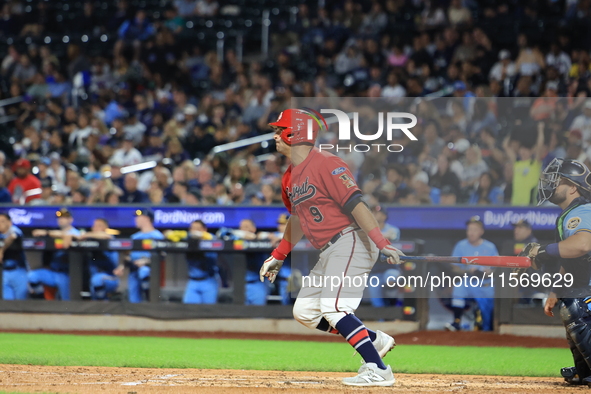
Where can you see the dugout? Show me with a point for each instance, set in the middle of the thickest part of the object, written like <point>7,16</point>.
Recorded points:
<point>425,230</point>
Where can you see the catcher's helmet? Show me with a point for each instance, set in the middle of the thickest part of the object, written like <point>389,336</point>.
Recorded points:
<point>296,123</point>
<point>573,170</point>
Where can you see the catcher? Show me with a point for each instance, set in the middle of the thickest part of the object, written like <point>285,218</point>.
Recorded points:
<point>566,184</point>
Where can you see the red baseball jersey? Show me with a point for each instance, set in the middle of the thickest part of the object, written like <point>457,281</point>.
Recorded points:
<point>18,187</point>
<point>316,190</point>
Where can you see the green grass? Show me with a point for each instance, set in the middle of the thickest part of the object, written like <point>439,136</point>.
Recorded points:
<point>63,350</point>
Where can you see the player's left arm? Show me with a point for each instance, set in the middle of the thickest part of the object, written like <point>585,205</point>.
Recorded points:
<point>577,245</point>
<point>293,234</point>
<point>577,242</point>
<point>368,223</point>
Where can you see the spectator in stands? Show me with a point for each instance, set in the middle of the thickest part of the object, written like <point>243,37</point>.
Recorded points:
<point>444,175</point>
<point>334,51</point>
<point>56,278</point>
<point>131,194</point>
<point>155,150</point>
<point>127,155</point>
<point>24,187</point>
<point>134,32</point>
<point>175,151</point>
<point>530,60</point>
<point>138,262</point>
<point>103,263</point>
<point>5,196</point>
<point>254,186</point>
<point>14,261</point>
<point>186,8</point>
<point>474,167</point>
<point>206,8</point>
<point>203,284</point>
<point>486,192</point>
<point>583,123</point>
<point>504,68</point>
<point>458,14</point>
<point>24,72</point>
<point>448,196</point>
<point>526,169</point>
<point>558,59</point>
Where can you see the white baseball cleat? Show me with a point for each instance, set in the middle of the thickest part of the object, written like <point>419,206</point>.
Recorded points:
<point>370,375</point>
<point>383,343</point>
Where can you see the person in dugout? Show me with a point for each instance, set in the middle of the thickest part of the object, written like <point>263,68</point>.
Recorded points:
<point>13,260</point>
<point>473,245</point>
<point>203,284</point>
<point>523,235</point>
<point>383,295</point>
<point>283,277</point>
<point>102,263</point>
<point>46,282</point>
<point>256,292</point>
<point>138,262</point>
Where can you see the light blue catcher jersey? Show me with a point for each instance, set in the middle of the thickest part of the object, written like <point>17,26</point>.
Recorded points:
<point>136,255</point>
<point>579,219</point>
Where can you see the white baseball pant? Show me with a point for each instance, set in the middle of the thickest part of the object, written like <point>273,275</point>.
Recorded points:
<point>350,260</point>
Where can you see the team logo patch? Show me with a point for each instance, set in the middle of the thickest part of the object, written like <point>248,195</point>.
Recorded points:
<point>338,171</point>
<point>347,181</point>
<point>573,223</point>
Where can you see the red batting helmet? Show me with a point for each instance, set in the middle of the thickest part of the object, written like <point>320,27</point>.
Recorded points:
<point>296,122</point>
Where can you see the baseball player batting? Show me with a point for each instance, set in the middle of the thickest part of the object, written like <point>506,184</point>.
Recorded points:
<point>326,206</point>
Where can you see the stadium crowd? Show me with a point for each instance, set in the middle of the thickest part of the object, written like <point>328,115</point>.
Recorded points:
<point>87,117</point>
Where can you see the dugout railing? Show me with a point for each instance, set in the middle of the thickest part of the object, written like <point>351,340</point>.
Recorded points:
<point>413,309</point>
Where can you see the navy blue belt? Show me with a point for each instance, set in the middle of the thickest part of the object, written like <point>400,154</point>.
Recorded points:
<point>9,268</point>
<point>336,237</point>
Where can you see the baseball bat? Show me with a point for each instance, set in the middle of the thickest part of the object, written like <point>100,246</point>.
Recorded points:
<point>487,261</point>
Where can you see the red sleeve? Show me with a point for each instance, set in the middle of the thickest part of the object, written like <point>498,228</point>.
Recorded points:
<point>285,181</point>
<point>12,185</point>
<point>338,179</point>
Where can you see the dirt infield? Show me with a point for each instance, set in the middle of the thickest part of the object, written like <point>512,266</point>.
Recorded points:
<point>91,380</point>
<point>442,338</point>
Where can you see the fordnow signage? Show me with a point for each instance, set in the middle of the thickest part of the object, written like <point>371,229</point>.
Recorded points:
<point>177,217</point>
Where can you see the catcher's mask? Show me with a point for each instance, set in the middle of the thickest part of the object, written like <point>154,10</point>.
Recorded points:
<point>573,170</point>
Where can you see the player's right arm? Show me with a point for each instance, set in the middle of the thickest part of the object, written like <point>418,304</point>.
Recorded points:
<point>293,234</point>
<point>368,223</point>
